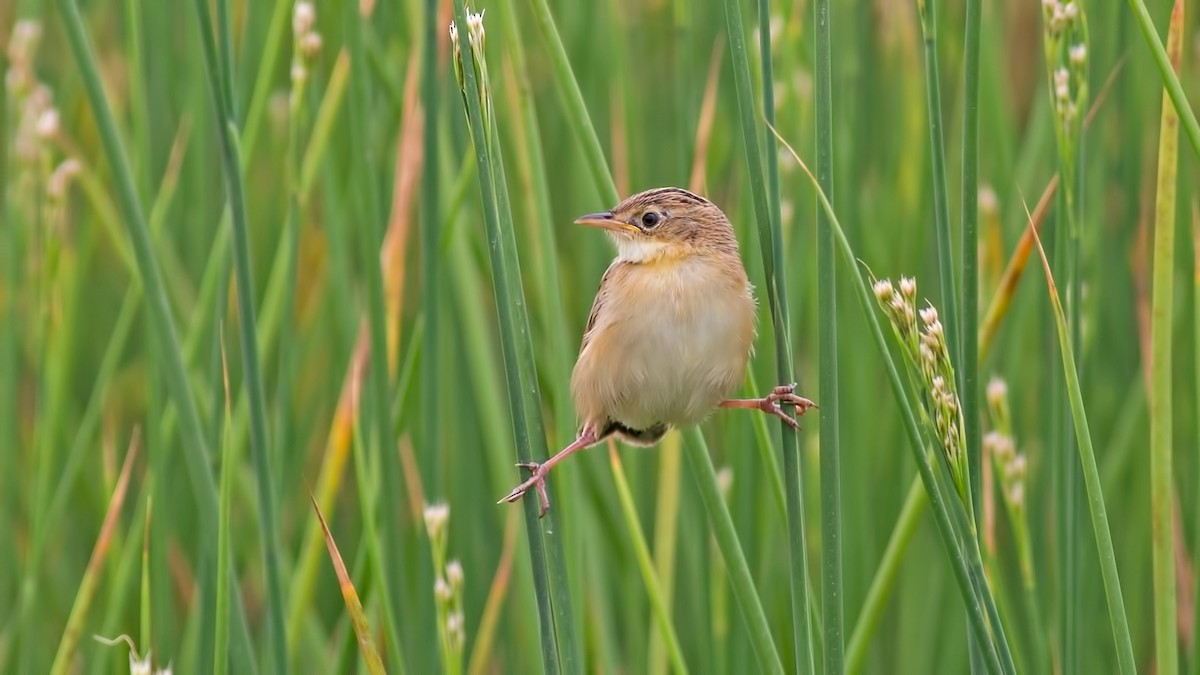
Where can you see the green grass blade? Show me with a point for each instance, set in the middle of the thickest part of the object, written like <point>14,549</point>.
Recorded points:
<point>224,542</point>
<point>948,517</point>
<point>885,577</point>
<point>827,346</point>
<point>576,110</point>
<point>658,603</point>
<point>1091,476</point>
<point>362,627</point>
<point>431,285</point>
<point>1170,79</point>
<point>1196,383</point>
<point>91,577</point>
<point>969,354</point>
<point>770,242</point>
<point>196,451</point>
<point>220,75</point>
<point>937,158</point>
<point>365,190</point>
<point>1161,371</point>
<point>517,353</point>
<point>696,452</point>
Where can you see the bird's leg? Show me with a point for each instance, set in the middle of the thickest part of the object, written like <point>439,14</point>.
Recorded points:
<point>587,438</point>
<point>770,403</point>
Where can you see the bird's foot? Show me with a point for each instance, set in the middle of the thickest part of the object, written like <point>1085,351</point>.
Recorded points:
<point>786,394</point>
<point>773,403</point>
<point>537,481</point>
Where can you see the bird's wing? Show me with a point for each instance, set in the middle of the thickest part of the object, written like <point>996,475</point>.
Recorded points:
<point>597,304</point>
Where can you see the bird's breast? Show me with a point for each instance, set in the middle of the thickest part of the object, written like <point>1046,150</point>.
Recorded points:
<point>669,342</point>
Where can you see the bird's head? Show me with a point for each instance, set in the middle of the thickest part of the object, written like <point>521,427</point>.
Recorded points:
<point>665,223</point>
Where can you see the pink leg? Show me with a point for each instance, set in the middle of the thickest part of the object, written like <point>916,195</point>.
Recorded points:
<point>770,403</point>
<point>537,481</point>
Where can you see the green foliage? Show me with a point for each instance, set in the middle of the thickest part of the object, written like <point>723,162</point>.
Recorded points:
<point>174,160</point>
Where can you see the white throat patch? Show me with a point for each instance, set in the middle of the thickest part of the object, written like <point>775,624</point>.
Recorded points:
<point>637,249</point>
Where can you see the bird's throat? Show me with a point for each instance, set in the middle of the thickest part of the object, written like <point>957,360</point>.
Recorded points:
<point>642,249</point>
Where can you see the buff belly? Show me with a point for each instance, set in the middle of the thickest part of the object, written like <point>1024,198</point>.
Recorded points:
<point>673,348</point>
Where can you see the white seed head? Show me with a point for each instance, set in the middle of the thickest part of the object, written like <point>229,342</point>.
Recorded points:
<point>25,35</point>
<point>310,44</point>
<point>454,35</point>
<point>139,666</point>
<point>997,391</point>
<point>939,385</point>
<point>60,178</point>
<point>988,202</point>
<point>1016,495</point>
<point>1062,77</point>
<point>299,73</point>
<point>1058,19</point>
<point>883,289</point>
<point>1049,5</point>
<point>934,329</point>
<point>47,123</point>
<point>442,591</point>
<point>927,356</point>
<point>908,287</point>
<point>1078,54</point>
<point>929,315</point>
<point>456,629</point>
<point>475,33</point>
<point>436,517</point>
<point>992,440</point>
<point>454,574</point>
<point>1071,11</point>
<point>1019,465</point>
<point>1004,450</point>
<point>304,16</point>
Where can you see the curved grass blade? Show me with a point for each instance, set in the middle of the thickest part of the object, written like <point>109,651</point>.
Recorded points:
<point>362,627</point>
<point>87,587</point>
<point>1091,476</point>
<point>1170,80</point>
<point>967,572</point>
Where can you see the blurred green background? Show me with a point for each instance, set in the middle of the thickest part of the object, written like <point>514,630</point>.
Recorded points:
<point>334,153</point>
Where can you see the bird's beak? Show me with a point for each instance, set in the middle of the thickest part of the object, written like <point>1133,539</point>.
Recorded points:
<point>605,221</point>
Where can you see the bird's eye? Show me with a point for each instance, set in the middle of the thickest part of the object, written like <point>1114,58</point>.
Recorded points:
<point>650,219</point>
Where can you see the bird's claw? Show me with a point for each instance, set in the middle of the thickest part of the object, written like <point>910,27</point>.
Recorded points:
<point>785,393</point>
<point>537,481</point>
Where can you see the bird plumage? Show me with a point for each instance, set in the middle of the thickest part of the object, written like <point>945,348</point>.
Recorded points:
<point>670,331</point>
<point>672,325</point>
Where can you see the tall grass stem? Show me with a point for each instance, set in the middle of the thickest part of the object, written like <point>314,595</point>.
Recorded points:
<point>827,347</point>
<point>1162,310</point>
<point>765,191</point>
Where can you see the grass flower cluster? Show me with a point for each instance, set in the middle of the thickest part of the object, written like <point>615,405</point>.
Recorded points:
<point>447,590</point>
<point>925,352</point>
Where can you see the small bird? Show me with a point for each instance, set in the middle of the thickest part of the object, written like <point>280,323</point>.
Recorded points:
<point>671,329</point>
